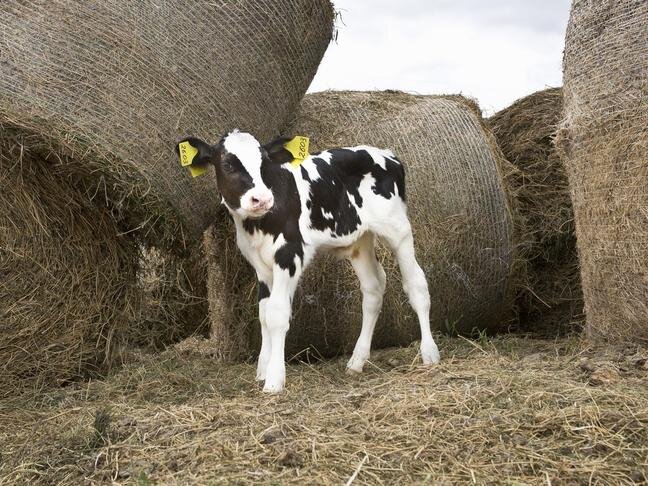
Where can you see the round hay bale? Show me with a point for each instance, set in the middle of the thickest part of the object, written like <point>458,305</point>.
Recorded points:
<point>124,80</point>
<point>604,140</point>
<point>97,93</point>
<point>549,298</point>
<point>65,275</point>
<point>459,212</point>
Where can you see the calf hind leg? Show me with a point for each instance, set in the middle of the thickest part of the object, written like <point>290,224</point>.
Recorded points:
<point>416,288</point>
<point>372,284</point>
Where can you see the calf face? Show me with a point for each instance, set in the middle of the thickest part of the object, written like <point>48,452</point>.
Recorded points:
<point>237,159</point>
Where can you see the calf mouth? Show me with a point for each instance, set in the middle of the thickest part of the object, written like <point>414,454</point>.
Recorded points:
<point>258,214</point>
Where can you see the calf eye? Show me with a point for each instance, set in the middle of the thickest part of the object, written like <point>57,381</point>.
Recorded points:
<point>227,167</point>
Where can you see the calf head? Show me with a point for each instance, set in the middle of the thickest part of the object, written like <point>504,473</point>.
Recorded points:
<point>238,159</point>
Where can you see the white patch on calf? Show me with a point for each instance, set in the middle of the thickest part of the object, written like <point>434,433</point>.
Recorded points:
<point>258,248</point>
<point>248,151</point>
<point>325,156</point>
<point>258,199</point>
<point>310,168</point>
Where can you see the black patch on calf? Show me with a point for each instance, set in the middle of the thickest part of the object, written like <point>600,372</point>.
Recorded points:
<point>264,291</point>
<point>232,180</point>
<point>328,194</point>
<point>285,256</point>
<point>353,165</point>
<point>392,174</point>
<point>304,174</point>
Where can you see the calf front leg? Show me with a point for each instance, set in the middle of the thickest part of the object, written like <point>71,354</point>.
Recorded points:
<point>264,355</point>
<point>277,316</point>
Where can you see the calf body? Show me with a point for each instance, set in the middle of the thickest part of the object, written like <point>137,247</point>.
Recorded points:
<point>336,201</point>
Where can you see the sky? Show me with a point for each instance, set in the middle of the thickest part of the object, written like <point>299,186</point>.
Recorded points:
<point>496,51</point>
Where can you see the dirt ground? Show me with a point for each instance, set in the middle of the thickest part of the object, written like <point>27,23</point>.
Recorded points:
<point>508,410</point>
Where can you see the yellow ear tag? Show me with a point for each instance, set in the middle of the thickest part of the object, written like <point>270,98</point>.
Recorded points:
<point>298,147</point>
<point>197,171</point>
<point>187,154</point>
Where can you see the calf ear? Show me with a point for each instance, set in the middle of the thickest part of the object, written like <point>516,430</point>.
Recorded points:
<point>277,152</point>
<point>207,154</point>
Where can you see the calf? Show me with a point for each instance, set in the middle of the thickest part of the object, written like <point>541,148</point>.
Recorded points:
<point>338,200</point>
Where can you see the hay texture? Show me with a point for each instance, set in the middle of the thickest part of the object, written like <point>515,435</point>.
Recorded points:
<point>549,297</point>
<point>172,301</point>
<point>459,212</point>
<point>64,275</point>
<point>503,411</point>
<point>125,80</point>
<point>96,94</point>
<point>604,137</point>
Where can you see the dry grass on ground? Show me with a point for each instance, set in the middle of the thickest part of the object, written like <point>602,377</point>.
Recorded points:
<point>506,410</point>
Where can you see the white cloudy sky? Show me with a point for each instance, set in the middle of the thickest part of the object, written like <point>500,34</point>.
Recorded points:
<point>494,50</point>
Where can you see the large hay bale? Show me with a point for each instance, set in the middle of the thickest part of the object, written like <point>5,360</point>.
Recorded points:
<point>123,80</point>
<point>97,92</point>
<point>65,275</point>
<point>459,212</point>
<point>549,297</point>
<point>604,137</point>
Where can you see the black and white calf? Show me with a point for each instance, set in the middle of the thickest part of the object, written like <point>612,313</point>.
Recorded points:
<point>338,200</point>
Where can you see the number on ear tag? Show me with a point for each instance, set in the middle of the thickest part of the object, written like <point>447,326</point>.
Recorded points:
<point>298,147</point>
<point>187,154</point>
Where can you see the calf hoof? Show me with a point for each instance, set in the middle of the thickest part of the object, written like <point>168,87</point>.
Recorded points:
<point>260,375</point>
<point>274,381</point>
<point>430,355</point>
<point>355,366</point>
<point>273,388</point>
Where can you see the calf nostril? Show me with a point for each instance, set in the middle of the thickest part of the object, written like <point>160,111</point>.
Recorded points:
<point>255,201</point>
